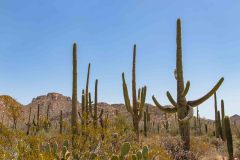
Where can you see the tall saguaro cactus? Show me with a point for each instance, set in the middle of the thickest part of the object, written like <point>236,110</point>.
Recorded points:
<point>61,122</point>
<point>136,110</point>
<point>74,92</point>
<point>183,107</point>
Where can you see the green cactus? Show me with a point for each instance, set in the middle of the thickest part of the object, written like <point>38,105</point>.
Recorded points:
<point>206,128</point>
<point>46,122</point>
<point>61,122</point>
<point>223,115</point>
<point>166,124</point>
<point>199,126</point>
<point>217,133</point>
<point>38,118</point>
<point>145,124</point>
<point>86,101</point>
<point>136,110</point>
<point>228,134</point>
<point>145,153</point>
<point>125,149</point>
<point>94,114</point>
<point>125,153</point>
<point>74,92</point>
<point>64,154</point>
<point>183,107</point>
<point>28,124</point>
<point>219,125</point>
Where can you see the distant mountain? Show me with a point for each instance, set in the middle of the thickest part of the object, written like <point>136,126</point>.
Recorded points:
<point>235,118</point>
<point>57,102</point>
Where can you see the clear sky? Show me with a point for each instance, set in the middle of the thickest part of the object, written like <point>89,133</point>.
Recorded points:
<point>36,40</point>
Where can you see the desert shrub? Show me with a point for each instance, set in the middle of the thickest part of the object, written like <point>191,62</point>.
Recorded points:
<point>174,147</point>
<point>200,146</point>
<point>217,143</point>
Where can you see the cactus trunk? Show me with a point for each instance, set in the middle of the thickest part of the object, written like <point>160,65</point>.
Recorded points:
<point>228,134</point>
<point>61,123</point>
<point>74,92</point>
<point>223,115</point>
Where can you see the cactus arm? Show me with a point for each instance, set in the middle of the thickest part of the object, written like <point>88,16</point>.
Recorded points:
<point>173,102</point>
<point>83,101</point>
<point>139,93</point>
<point>142,102</point>
<point>185,91</point>
<point>167,108</point>
<point>126,96</point>
<point>90,105</point>
<point>188,116</point>
<point>208,95</point>
<point>87,84</point>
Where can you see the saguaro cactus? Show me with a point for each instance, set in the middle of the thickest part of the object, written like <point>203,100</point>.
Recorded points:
<point>136,110</point>
<point>61,122</point>
<point>216,116</point>
<point>29,119</point>
<point>219,125</point>
<point>94,114</point>
<point>38,118</point>
<point>206,128</point>
<point>74,92</point>
<point>223,115</point>
<point>183,107</point>
<point>86,103</point>
<point>228,134</point>
<point>166,125</point>
<point>145,124</point>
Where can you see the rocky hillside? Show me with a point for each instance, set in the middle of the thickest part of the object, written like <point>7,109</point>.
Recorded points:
<point>57,102</point>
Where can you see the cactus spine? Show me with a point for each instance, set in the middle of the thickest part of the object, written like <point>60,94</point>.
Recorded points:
<point>74,92</point>
<point>223,115</point>
<point>228,134</point>
<point>136,110</point>
<point>183,107</point>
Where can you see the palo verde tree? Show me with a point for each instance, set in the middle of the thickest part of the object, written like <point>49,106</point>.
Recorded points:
<point>183,107</point>
<point>138,101</point>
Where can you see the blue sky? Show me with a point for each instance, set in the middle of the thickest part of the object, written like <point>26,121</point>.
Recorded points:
<point>36,40</point>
